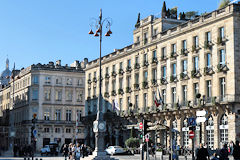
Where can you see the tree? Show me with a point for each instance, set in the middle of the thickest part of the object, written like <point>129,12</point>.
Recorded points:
<point>223,3</point>
<point>191,14</point>
<point>132,143</point>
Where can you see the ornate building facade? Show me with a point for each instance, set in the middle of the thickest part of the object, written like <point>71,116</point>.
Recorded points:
<point>52,91</point>
<point>178,59</point>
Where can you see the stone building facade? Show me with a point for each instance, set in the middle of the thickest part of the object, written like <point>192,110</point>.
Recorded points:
<point>52,91</point>
<point>176,59</point>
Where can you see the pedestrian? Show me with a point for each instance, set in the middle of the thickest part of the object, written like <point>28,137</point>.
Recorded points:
<point>65,151</point>
<point>236,151</point>
<point>214,156</point>
<point>202,153</point>
<point>224,153</point>
<point>70,151</point>
<point>77,152</point>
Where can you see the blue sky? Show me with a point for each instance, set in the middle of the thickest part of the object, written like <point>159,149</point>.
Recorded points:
<point>33,31</point>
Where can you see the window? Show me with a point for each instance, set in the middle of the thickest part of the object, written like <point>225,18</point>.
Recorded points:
<point>120,66</point>
<point>68,130</point>
<point>224,129</point>
<point>129,101</point>
<point>145,58</point>
<point>222,57</point>
<point>154,54</point>
<point>164,72</point>
<point>208,37</point>
<point>196,91</point>
<point>222,88</point>
<point>120,103</point>
<point>89,76</point>
<point>58,114</point>
<point>195,59</point>
<point>89,92</point>
<point>79,96</point>
<point>145,38</point>
<point>120,83</point>
<point>58,80</point>
<point>46,115</point>
<point>209,90</point>
<point>221,32</point>
<point>46,130</point>
<point>94,91</point>
<point>184,66</point>
<point>80,82</point>
<point>34,94</point>
<point>138,39</point>
<point>155,32</point>
<point>114,68</point>
<point>174,48</point>
<point>79,115</point>
<point>129,63</point>
<point>94,74</point>
<point>145,76</point>
<point>47,80</point>
<point>57,130</point>
<point>208,60</point>
<point>145,100</point>
<point>174,95</point>
<point>107,86</point>
<point>184,91</point>
<point>114,85</point>
<point>195,41</point>
<point>164,95</point>
<point>68,115</point>
<point>69,95</point>
<point>107,70</point>
<point>128,81</point>
<point>174,70</point>
<point>35,79</point>
<point>154,74</point>
<point>184,45</point>
<point>47,94</point>
<point>136,101</point>
<point>136,60</point>
<point>136,78</point>
<point>210,132</point>
<point>164,52</point>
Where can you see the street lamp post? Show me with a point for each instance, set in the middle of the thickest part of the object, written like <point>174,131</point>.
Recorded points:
<point>99,125</point>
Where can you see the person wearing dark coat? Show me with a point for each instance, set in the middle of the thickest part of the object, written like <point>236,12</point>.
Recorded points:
<point>224,153</point>
<point>65,151</point>
<point>202,153</point>
<point>236,151</point>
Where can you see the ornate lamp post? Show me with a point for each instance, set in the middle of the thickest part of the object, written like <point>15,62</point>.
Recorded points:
<point>99,125</point>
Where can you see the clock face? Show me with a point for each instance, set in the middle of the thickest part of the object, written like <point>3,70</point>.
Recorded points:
<point>101,126</point>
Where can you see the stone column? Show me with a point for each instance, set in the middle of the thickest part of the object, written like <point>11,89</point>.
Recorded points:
<point>216,131</point>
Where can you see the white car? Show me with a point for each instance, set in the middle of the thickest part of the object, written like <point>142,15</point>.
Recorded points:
<point>45,150</point>
<point>114,150</point>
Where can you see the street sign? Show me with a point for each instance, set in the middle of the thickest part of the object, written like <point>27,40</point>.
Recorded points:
<point>34,132</point>
<point>201,119</point>
<point>191,134</point>
<point>191,121</point>
<point>140,125</point>
<point>201,113</point>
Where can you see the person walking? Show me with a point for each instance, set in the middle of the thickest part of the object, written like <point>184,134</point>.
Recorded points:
<point>224,153</point>
<point>236,151</point>
<point>202,153</point>
<point>65,151</point>
<point>77,152</point>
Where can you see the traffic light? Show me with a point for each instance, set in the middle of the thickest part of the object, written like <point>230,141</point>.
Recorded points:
<point>140,136</point>
<point>146,127</point>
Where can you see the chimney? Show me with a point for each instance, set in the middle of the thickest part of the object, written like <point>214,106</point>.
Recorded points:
<point>58,63</point>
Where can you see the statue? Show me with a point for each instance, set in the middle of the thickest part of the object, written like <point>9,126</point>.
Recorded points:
<point>138,21</point>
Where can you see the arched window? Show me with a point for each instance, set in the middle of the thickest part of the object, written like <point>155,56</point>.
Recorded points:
<point>223,129</point>
<point>185,133</point>
<point>210,132</point>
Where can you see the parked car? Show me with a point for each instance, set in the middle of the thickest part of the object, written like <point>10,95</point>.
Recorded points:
<point>45,150</point>
<point>115,150</point>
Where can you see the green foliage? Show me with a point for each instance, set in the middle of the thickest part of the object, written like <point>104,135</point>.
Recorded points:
<point>132,142</point>
<point>132,133</point>
<point>191,14</point>
<point>223,3</point>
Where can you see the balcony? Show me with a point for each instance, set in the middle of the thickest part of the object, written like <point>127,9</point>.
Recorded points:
<point>114,74</point>
<point>95,80</point>
<point>154,82</point>
<point>128,69</point>
<point>163,58</point>
<point>121,71</point>
<point>173,54</point>
<point>163,80</point>
<point>137,43</point>
<point>145,41</point>
<point>208,70</point>
<point>195,49</point>
<point>154,37</point>
<point>154,60</point>
<point>136,86</point>
<point>184,75</point>
<point>120,91</point>
<point>221,40</point>
<point>173,78</point>
<point>145,63</point>
<point>136,66</point>
<point>128,90</point>
<point>106,95</point>
<point>184,52</point>
<point>145,85</point>
<point>89,81</point>
<point>107,76</point>
<point>114,93</point>
<point>222,68</point>
<point>208,45</point>
<point>195,73</point>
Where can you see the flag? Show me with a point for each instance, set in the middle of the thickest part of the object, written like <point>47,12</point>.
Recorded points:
<point>115,106</point>
<point>156,101</point>
<point>160,98</point>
